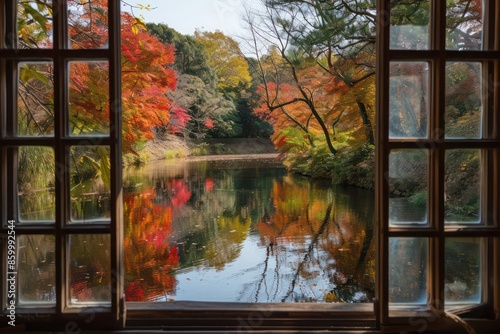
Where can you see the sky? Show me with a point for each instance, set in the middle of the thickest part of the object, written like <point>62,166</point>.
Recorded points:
<point>186,16</point>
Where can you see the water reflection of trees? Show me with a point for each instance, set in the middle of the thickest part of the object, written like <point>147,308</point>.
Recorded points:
<point>317,246</point>
<point>337,248</point>
<point>202,213</point>
<point>149,258</point>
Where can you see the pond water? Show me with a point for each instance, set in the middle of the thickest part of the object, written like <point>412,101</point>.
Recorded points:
<point>245,231</point>
<point>237,231</point>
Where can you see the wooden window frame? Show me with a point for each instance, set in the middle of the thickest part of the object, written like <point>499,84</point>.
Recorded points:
<point>434,316</point>
<point>246,317</point>
<point>62,315</point>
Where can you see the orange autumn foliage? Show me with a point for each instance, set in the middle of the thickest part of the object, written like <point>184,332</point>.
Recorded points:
<point>146,75</point>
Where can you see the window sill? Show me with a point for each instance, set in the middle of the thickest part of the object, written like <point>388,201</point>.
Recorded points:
<point>250,316</point>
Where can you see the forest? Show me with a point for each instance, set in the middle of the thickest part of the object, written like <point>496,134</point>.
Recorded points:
<point>305,78</point>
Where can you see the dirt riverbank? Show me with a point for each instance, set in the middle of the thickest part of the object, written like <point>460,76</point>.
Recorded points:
<point>214,149</point>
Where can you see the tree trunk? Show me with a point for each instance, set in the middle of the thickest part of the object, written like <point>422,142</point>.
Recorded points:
<point>366,123</point>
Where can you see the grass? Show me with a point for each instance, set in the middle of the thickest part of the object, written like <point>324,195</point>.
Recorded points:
<point>174,154</point>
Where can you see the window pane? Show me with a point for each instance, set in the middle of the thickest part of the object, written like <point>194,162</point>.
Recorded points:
<point>89,184</point>
<point>463,100</point>
<point>408,187</point>
<point>462,186</point>
<point>35,99</point>
<point>464,24</point>
<point>35,183</point>
<point>463,270</point>
<point>36,269</point>
<point>408,105</point>
<point>89,268</point>
<point>407,272</point>
<point>34,24</point>
<point>410,25</point>
<point>88,24</point>
<point>88,98</point>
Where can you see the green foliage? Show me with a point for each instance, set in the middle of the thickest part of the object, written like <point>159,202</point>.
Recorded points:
<point>174,154</point>
<point>202,62</point>
<point>226,125</point>
<point>226,59</point>
<point>190,55</point>
<point>34,21</point>
<point>200,150</point>
<point>219,148</point>
<point>35,167</point>
<point>410,13</point>
<point>140,160</point>
<point>355,167</point>
<point>251,125</point>
<point>104,166</point>
<point>317,162</point>
<point>202,102</point>
<point>139,145</point>
<point>419,199</point>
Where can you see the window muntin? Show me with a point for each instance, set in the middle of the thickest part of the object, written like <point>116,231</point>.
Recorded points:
<point>462,156</point>
<point>37,152</point>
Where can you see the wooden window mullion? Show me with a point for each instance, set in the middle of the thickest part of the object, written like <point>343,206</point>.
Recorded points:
<point>59,154</point>
<point>437,161</point>
<point>382,162</point>
<point>117,253</point>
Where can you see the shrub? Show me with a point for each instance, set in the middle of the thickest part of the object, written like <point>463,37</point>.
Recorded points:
<point>173,154</point>
<point>199,150</point>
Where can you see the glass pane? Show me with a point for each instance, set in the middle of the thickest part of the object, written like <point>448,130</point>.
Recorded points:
<point>35,183</point>
<point>463,100</point>
<point>408,187</point>
<point>35,99</point>
<point>410,25</point>
<point>34,24</point>
<point>408,105</point>
<point>463,270</point>
<point>464,24</point>
<point>89,184</point>
<point>89,268</point>
<point>462,186</point>
<point>88,24</point>
<point>88,98</point>
<point>407,272</point>
<point>36,269</point>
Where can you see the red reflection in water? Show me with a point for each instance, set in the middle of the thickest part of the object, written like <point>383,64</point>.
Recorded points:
<point>149,259</point>
<point>209,184</point>
<point>180,192</point>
